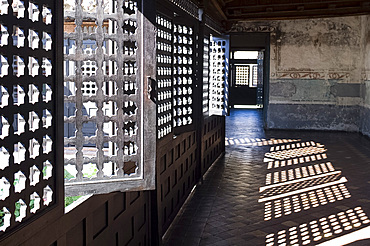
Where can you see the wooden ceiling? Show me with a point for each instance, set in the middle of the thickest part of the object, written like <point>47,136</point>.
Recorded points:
<point>236,10</point>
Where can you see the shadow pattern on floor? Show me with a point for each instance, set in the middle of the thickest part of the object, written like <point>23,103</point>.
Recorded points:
<point>278,188</point>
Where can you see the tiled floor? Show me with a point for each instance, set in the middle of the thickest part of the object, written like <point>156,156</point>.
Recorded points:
<point>279,188</point>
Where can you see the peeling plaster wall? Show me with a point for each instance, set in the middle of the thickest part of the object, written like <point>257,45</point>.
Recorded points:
<point>365,116</point>
<point>316,72</point>
<point>315,79</point>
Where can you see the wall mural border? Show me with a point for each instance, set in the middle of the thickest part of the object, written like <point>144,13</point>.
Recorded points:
<point>276,71</point>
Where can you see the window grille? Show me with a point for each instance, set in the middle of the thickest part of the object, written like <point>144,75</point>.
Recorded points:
<point>28,117</point>
<point>242,75</point>
<point>206,52</point>
<point>175,72</point>
<point>183,75</point>
<point>164,76</point>
<point>104,97</point>
<point>219,69</point>
<point>260,78</point>
<point>254,76</point>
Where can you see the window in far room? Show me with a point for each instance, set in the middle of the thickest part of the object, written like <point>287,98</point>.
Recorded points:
<point>245,68</point>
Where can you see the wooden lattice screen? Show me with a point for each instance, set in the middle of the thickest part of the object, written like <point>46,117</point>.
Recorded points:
<point>183,72</point>
<point>176,44</point>
<point>105,94</point>
<point>29,124</point>
<point>219,81</point>
<point>164,76</point>
<point>206,73</point>
<point>242,75</point>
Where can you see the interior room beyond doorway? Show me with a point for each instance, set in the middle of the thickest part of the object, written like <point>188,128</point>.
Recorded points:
<point>246,89</point>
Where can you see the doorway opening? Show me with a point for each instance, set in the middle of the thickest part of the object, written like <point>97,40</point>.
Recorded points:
<point>249,73</point>
<point>246,80</point>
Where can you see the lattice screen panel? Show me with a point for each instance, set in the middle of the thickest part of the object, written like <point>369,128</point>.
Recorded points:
<point>183,75</point>
<point>205,74</point>
<point>27,110</point>
<point>260,78</point>
<point>164,76</point>
<point>219,69</point>
<point>103,95</point>
<point>254,76</point>
<point>242,75</point>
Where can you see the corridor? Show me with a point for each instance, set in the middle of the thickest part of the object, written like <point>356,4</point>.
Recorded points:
<point>279,188</point>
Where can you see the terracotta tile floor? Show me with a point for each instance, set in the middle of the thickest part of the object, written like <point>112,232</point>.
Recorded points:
<point>279,188</point>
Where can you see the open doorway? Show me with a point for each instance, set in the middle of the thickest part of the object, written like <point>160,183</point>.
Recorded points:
<point>246,81</point>
<point>249,73</point>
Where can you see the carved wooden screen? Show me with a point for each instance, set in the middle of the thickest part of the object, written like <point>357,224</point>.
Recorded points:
<point>29,124</point>
<point>105,98</point>
<point>164,76</point>
<point>206,52</point>
<point>211,29</point>
<point>219,69</point>
<point>254,76</point>
<point>242,75</point>
<point>259,83</point>
<point>176,31</point>
<point>183,75</point>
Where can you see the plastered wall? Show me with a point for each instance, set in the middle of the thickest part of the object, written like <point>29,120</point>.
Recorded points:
<point>317,77</point>
<point>365,116</point>
<point>315,80</point>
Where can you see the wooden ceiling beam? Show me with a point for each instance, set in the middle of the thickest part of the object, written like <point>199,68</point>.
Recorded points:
<point>222,2</point>
<point>217,5</point>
